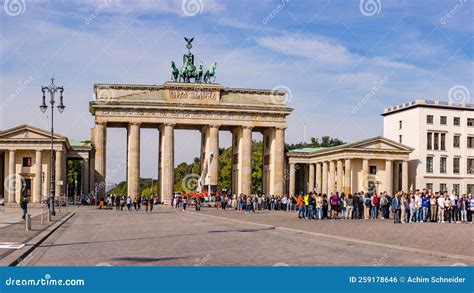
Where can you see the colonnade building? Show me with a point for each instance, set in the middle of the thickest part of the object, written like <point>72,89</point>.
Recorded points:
<point>373,165</point>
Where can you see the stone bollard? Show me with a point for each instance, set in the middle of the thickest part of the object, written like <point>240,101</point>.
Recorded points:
<point>27,222</point>
<point>49,216</point>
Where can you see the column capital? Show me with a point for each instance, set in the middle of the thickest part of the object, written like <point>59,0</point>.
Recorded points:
<point>214,125</point>
<point>247,127</point>
<point>135,123</point>
<point>169,124</point>
<point>97,123</point>
<point>280,128</point>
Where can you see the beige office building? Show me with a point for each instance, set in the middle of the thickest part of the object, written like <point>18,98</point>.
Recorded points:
<point>442,135</point>
<point>25,153</point>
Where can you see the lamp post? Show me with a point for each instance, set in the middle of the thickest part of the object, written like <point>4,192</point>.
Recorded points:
<point>52,89</point>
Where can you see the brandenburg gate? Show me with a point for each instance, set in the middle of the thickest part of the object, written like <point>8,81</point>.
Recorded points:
<point>204,106</point>
<point>208,108</point>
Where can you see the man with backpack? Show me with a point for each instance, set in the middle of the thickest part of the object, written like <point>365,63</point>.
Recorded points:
<point>366,206</point>
<point>396,206</point>
<point>374,202</point>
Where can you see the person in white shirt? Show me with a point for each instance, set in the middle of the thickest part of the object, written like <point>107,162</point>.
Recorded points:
<point>440,201</point>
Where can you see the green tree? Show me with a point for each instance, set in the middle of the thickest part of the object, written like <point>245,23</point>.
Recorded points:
<point>74,171</point>
<point>324,142</point>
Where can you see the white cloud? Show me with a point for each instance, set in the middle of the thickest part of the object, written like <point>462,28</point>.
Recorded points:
<point>325,53</point>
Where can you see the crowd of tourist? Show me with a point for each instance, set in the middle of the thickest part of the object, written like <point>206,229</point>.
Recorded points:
<point>413,207</point>
<point>130,203</point>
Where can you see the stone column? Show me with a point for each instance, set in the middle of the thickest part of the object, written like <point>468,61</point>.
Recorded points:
<point>347,176</point>
<point>133,160</point>
<point>292,186</point>
<point>166,164</point>
<point>37,180</point>
<point>100,143</point>
<point>332,175</point>
<point>318,178</point>
<point>58,172</point>
<point>405,176</point>
<point>91,175</point>
<point>311,178</point>
<point>11,188</point>
<point>245,161</point>
<point>365,175</point>
<point>214,148</point>
<point>388,177</point>
<point>325,178</point>
<point>340,177</point>
<point>279,167</point>
<point>85,176</point>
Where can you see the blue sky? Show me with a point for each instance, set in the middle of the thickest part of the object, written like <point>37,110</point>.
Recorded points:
<point>342,61</point>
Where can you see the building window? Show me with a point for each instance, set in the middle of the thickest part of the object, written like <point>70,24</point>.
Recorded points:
<point>442,187</point>
<point>456,141</point>
<point>456,188</point>
<point>436,141</point>
<point>470,142</point>
<point>443,142</point>
<point>26,161</point>
<point>443,120</point>
<point>429,140</point>
<point>400,139</point>
<point>429,164</point>
<point>470,188</point>
<point>442,165</point>
<point>470,121</point>
<point>470,166</point>
<point>373,170</point>
<point>429,186</point>
<point>400,124</point>
<point>456,162</point>
<point>429,119</point>
<point>457,121</point>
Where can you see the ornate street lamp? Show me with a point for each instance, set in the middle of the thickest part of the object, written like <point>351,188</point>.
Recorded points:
<point>52,89</point>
